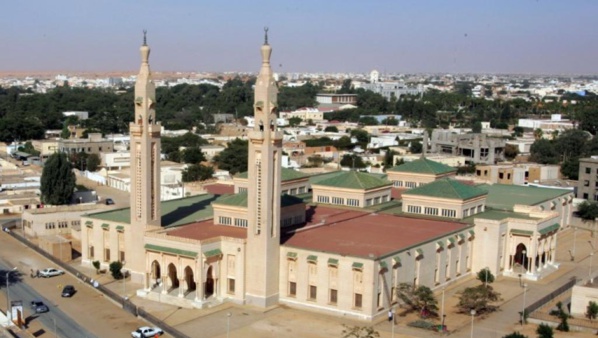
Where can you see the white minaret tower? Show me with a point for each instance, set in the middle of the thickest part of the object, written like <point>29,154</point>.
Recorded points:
<point>145,163</point>
<point>264,167</point>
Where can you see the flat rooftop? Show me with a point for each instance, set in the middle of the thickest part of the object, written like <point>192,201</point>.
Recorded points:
<point>174,212</point>
<point>506,196</point>
<point>206,230</point>
<point>360,234</point>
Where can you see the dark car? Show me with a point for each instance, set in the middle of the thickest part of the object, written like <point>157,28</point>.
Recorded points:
<point>109,201</point>
<point>68,291</point>
<point>38,306</point>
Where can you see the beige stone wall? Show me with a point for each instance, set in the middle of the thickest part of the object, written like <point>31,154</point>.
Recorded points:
<point>350,197</point>
<point>52,221</point>
<point>424,204</point>
<point>413,180</point>
<point>580,299</point>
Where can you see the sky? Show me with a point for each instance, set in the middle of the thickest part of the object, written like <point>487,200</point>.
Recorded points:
<point>392,36</point>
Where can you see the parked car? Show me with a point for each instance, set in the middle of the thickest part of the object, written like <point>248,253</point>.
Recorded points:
<point>68,291</point>
<point>50,272</point>
<point>147,332</point>
<point>38,306</point>
<point>109,201</point>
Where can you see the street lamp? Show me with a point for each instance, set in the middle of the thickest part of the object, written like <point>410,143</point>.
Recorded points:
<point>228,315</point>
<point>574,240</point>
<point>472,312</point>
<point>442,315</point>
<point>8,312</point>
<point>591,259</point>
<point>524,260</point>
<point>523,308</point>
<point>392,323</point>
<point>124,273</point>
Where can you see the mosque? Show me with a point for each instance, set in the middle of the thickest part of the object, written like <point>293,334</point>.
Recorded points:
<point>337,244</point>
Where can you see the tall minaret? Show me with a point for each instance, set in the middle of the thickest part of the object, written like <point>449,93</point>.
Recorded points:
<point>264,167</point>
<point>145,159</point>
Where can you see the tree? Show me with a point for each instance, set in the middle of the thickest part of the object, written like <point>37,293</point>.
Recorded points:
<point>416,147</point>
<point>352,161</point>
<point>93,162</point>
<point>359,332</point>
<point>197,172</point>
<point>544,152</point>
<point>511,151</point>
<point>544,331</point>
<point>193,155</point>
<point>518,131</point>
<point>234,157</point>
<point>96,265</point>
<point>115,269</point>
<point>587,211</point>
<point>477,127</point>
<point>592,310</point>
<point>478,298</point>
<point>515,335</point>
<point>485,276</point>
<point>343,143</point>
<point>538,133</point>
<point>418,298</point>
<point>57,181</point>
<point>572,143</point>
<point>570,168</point>
<point>295,121</point>
<point>389,158</point>
<point>560,313</point>
<point>332,129</point>
<point>29,149</point>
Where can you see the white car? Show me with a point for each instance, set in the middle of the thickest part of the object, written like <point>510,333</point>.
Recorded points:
<point>147,332</point>
<point>50,272</point>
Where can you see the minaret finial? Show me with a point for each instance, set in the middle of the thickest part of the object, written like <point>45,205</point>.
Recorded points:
<point>145,37</point>
<point>266,35</point>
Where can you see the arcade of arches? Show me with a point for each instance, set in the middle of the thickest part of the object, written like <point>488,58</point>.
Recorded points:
<point>531,254</point>
<point>182,276</point>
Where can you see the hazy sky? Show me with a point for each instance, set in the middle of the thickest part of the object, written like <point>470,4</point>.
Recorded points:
<point>499,36</point>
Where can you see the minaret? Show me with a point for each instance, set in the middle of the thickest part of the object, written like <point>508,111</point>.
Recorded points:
<point>145,160</point>
<point>264,168</point>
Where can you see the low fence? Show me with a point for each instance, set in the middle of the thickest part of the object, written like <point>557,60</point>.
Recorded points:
<point>126,304</point>
<point>551,296</point>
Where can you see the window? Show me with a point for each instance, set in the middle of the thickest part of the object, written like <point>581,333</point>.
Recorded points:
<point>410,184</point>
<point>293,191</point>
<point>384,198</point>
<point>508,176</point>
<point>338,200</point>
<point>91,252</point>
<point>588,170</point>
<point>121,255</point>
<point>414,209</point>
<point>585,196</point>
<point>301,190</point>
<point>333,296</point>
<point>323,199</point>
<point>449,213</point>
<point>240,222</point>
<point>431,211</point>
<point>357,300</point>
<point>286,222</point>
<point>231,285</point>
<point>292,289</point>
<point>106,255</point>
<point>398,184</point>
<point>368,202</point>
<point>377,200</point>
<point>245,190</point>
<point>353,202</point>
<point>313,292</point>
<point>500,176</point>
<point>224,220</point>
<point>586,183</point>
<point>480,208</point>
<point>465,212</point>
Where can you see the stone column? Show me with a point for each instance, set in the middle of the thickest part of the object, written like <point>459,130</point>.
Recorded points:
<point>164,279</point>
<point>199,286</point>
<point>181,287</point>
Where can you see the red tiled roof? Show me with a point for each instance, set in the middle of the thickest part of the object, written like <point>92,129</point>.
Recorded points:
<point>358,233</point>
<point>220,189</point>
<point>206,230</point>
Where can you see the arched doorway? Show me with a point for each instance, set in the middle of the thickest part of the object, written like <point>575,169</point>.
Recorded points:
<point>521,255</point>
<point>156,273</point>
<point>189,279</point>
<point>209,283</point>
<point>172,276</point>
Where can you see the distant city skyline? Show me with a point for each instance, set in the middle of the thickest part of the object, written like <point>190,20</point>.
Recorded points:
<point>436,36</point>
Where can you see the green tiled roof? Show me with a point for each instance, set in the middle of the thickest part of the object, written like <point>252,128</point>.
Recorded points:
<point>174,212</point>
<point>423,166</point>
<point>451,240</point>
<point>357,265</point>
<point>397,259</point>
<point>383,265</point>
<point>419,252</point>
<point>522,232</point>
<point>499,215</point>
<point>462,236</point>
<point>88,223</point>
<point>549,228</point>
<point>120,228</point>
<point>212,253</point>
<point>471,232</point>
<point>285,175</point>
<point>312,258</point>
<point>354,180</point>
<point>333,261</point>
<point>240,200</point>
<point>292,254</point>
<point>447,188</point>
<point>440,244</point>
<point>170,250</point>
<point>105,226</point>
<point>505,196</point>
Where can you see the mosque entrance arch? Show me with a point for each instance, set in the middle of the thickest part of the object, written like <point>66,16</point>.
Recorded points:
<point>521,255</point>
<point>189,280</point>
<point>172,276</point>
<point>156,273</point>
<point>209,291</point>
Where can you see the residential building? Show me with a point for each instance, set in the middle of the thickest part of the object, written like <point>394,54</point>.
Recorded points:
<point>587,184</point>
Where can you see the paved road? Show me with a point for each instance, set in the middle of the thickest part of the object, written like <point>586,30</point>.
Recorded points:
<point>55,321</point>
